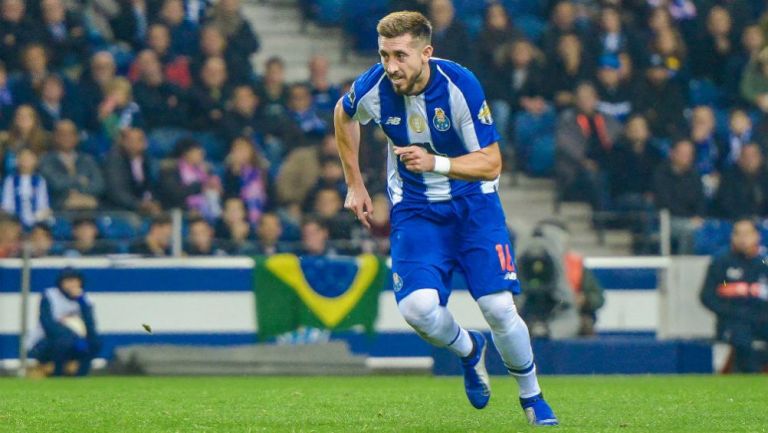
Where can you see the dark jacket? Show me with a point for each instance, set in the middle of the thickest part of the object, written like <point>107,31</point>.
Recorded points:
<point>682,194</point>
<point>162,106</point>
<point>171,192</point>
<point>72,47</point>
<point>662,106</point>
<point>741,195</point>
<point>87,178</point>
<point>126,192</point>
<point>453,44</point>
<point>630,172</point>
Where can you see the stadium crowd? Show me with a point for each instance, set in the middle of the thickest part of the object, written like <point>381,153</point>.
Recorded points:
<point>113,112</point>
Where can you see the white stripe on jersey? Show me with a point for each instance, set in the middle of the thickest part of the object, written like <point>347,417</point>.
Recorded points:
<point>394,181</point>
<point>438,186</point>
<point>371,103</point>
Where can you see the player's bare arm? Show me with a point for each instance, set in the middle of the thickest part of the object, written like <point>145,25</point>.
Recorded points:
<point>348,141</point>
<point>483,164</point>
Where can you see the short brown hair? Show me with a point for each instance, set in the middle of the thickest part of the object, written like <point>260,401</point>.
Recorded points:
<point>405,22</point>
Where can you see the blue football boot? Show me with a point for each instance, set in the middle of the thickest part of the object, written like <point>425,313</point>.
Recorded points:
<point>538,411</point>
<point>476,382</point>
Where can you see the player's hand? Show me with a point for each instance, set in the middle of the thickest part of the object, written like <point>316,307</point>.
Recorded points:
<point>359,202</point>
<point>416,159</point>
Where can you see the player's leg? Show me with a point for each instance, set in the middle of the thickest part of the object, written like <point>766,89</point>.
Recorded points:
<point>434,323</point>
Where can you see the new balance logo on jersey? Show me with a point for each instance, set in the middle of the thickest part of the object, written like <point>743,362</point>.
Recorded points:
<point>511,276</point>
<point>392,121</point>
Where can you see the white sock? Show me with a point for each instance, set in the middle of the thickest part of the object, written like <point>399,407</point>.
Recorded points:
<point>434,323</point>
<point>510,335</point>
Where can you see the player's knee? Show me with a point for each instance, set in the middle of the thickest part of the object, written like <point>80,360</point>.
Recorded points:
<point>420,308</point>
<point>499,311</point>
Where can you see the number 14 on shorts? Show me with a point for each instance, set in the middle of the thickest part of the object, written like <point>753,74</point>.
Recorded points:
<point>505,260</point>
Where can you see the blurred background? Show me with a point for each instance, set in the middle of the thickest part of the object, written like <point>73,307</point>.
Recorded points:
<point>174,161</point>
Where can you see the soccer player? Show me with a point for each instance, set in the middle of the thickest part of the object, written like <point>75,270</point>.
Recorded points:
<point>443,169</point>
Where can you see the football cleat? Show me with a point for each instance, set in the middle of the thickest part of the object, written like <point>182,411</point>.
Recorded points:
<point>538,411</point>
<point>476,382</point>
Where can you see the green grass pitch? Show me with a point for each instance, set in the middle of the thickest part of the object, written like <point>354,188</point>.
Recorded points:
<point>408,404</point>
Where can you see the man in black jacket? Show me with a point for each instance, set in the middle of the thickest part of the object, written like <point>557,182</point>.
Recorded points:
<point>130,174</point>
<point>744,189</point>
<point>736,290</point>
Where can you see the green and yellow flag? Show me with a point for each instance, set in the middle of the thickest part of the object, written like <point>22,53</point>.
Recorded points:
<point>321,292</point>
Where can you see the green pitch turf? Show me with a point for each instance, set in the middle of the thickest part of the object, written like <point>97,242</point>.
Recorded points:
<point>377,404</point>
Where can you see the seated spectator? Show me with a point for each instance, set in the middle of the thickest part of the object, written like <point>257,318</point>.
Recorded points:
<point>630,173</point>
<point>329,207</point>
<point>752,41</point>
<point>677,188</point>
<point>523,75</point>
<point>25,131</point>
<point>228,18</point>
<point>175,67</point>
<point>562,22</point>
<point>200,240</point>
<point>743,192</point>
<point>324,92</point>
<point>85,240</point>
<point>183,31</point>
<point>214,44</point>
<point>272,90</point>
<point>613,38</point>
<point>660,100</point>
<point>17,30</point>
<point>36,68</point>
<point>10,236</point>
<point>188,183</point>
<point>314,238</point>
<point>734,292</point>
<point>157,242</point>
<point>65,34</point>
<point>269,232</point>
<point>710,54</point>
<point>754,81</point>
<point>208,98</point>
<point>584,139</point>
<point>740,133</point>
<point>164,106</point>
<point>303,112</point>
<point>449,36</point>
<point>40,240</point>
<point>708,146</point>
<point>246,177</point>
<point>55,104</point>
<point>25,193</point>
<point>117,110</point>
<point>615,95</point>
<point>567,68</point>
<point>6,98</point>
<point>130,22</point>
<point>93,86</point>
<point>66,330</point>
<point>233,229</point>
<point>493,42</point>
<point>302,169</point>
<point>74,179</point>
<point>130,174</point>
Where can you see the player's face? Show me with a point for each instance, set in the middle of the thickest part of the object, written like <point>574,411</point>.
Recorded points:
<point>404,59</point>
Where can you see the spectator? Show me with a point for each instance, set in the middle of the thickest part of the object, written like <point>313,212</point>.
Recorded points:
<point>302,169</point>
<point>752,41</point>
<point>36,69</point>
<point>54,104</point>
<point>660,100</point>
<point>493,45</point>
<point>246,177</point>
<point>157,242</point>
<point>64,34</point>
<point>117,110</point>
<point>331,176</point>
<point>743,192</point>
<point>324,92</point>
<point>380,224</point>
<point>99,14</point>
<point>303,112</point>
<point>754,82</point>
<point>200,240</point>
<point>10,236</point>
<point>183,32</point>
<point>16,31</point>
<point>272,90</point>
<point>164,106</point>
<point>208,98</point>
<point>131,22</point>
<point>188,183</point>
<point>25,193</point>
<point>233,229</point>
<point>93,86</point>
<point>630,173</point>
<point>269,231</point>
<point>175,67</point>
<point>708,146</point>
<point>25,131</point>
<point>40,240</point>
<point>314,238</point>
<point>130,174</point>
<point>740,133</point>
<point>214,44</point>
<point>74,179</point>
<point>66,330</point>
<point>714,48</point>
<point>329,207</point>
<point>677,188</point>
<point>86,240</point>
<point>614,39</point>
<point>584,139</point>
<point>522,75</point>
<point>734,292</point>
<point>569,66</point>
<point>227,17</point>
<point>562,22</point>
<point>615,95</point>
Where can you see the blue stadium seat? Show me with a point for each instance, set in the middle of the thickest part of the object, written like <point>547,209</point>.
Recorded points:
<point>531,26</point>
<point>534,141</point>
<point>359,22</point>
<point>712,237</point>
<point>61,228</point>
<point>116,227</point>
<point>328,12</point>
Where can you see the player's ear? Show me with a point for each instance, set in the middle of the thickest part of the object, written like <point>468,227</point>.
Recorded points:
<point>426,52</point>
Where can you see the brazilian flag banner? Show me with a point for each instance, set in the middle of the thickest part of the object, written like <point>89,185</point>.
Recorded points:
<point>321,292</point>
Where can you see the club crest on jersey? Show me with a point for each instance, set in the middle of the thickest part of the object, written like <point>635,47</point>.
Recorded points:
<point>440,121</point>
<point>397,282</point>
<point>484,115</point>
<point>351,95</point>
<point>417,122</point>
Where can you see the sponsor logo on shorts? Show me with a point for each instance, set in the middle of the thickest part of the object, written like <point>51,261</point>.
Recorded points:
<point>511,276</point>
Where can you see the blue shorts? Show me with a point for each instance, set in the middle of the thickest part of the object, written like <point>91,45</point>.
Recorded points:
<point>429,241</point>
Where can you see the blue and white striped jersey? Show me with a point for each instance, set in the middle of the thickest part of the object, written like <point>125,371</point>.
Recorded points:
<point>450,117</point>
